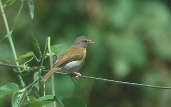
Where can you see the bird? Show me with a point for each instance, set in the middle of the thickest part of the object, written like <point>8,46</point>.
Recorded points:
<point>72,59</point>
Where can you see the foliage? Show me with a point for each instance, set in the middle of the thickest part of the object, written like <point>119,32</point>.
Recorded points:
<point>8,89</point>
<point>132,44</point>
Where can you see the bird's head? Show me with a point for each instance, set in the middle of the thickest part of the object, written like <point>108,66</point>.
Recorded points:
<point>82,41</point>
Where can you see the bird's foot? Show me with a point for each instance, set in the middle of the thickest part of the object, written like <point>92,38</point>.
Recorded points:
<point>76,74</point>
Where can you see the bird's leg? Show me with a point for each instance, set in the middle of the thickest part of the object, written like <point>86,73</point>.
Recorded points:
<point>76,74</point>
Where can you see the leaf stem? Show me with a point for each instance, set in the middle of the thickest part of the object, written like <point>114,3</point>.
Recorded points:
<point>8,32</point>
<point>51,65</point>
<point>11,41</point>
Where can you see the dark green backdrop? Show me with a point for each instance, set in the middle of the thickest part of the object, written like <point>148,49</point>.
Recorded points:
<point>133,40</point>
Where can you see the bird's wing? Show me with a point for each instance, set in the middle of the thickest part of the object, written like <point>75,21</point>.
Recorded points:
<point>71,54</point>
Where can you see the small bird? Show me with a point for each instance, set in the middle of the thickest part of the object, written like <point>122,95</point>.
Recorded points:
<point>72,59</point>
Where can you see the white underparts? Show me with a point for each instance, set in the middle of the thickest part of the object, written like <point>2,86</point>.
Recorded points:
<point>73,66</point>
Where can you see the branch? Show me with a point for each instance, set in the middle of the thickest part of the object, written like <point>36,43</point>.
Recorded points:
<point>103,79</point>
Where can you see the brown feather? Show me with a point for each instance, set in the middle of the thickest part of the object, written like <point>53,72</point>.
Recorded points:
<point>72,54</point>
<point>47,75</point>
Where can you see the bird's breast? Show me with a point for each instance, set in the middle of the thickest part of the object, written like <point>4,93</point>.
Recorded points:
<point>73,66</point>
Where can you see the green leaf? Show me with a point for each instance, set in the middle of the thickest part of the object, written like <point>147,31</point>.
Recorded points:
<point>55,48</point>
<point>31,8</point>
<point>28,54</point>
<point>41,101</point>
<point>18,98</point>
<point>37,46</point>
<point>8,89</point>
<point>44,54</point>
<point>9,2</point>
<point>38,103</point>
<point>47,97</point>
<point>36,77</point>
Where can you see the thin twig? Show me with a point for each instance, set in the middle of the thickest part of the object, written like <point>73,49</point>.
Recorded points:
<point>40,72</point>
<point>51,65</point>
<point>126,83</point>
<point>8,32</point>
<point>103,79</point>
<point>9,35</point>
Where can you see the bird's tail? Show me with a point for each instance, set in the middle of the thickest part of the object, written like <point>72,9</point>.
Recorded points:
<point>47,75</point>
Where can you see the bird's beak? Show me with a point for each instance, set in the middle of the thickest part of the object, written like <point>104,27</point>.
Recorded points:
<point>91,41</point>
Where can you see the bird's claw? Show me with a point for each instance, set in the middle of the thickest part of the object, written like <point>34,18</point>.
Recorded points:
<point>76,74</point>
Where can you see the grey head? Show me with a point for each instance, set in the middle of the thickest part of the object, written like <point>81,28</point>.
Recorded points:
<point>82,41</point>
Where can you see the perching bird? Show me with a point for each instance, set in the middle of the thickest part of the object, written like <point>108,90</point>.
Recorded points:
<point>72,59</point>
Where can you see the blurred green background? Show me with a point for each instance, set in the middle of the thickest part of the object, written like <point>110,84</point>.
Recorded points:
<point>133,40</point>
